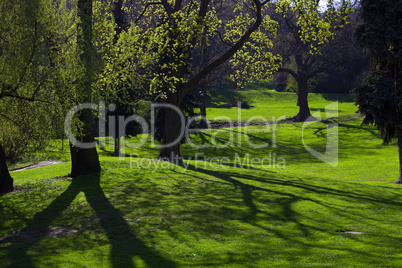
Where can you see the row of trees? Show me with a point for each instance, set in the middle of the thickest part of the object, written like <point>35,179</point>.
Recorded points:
<point>70,52</point>
<point>64,53</point>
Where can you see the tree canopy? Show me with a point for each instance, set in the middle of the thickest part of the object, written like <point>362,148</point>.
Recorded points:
<point>27,31</point>
<point>380,99</point>
<point>306,38</point>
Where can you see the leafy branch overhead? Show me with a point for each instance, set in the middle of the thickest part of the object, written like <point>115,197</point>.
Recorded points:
<point>167,36</point>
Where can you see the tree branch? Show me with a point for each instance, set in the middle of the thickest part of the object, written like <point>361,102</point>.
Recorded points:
<point>289,71</point>
<point>193,82</point>
<point>169,10</point>
<point>312,74</point>
<point>220,37</point>
<point>177,5</point>
<point>145,9</point>
<point>30,99</point>
<point>203,8</point>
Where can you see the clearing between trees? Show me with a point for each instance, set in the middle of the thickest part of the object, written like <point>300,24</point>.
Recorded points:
<point>220,207</point>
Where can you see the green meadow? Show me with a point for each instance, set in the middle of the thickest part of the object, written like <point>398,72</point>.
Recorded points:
<point>272,105</point>
<point>243,197</point>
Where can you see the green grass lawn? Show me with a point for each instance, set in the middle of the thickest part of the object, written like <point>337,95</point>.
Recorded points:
<point>221,208</point>
<point>270,104</point>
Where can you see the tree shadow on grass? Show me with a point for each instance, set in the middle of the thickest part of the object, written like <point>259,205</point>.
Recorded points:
<point>289,192</point>
<point>124,244</point>
<point>341,98</point>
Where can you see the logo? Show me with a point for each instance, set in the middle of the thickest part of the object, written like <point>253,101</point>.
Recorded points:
<point>331,149</point>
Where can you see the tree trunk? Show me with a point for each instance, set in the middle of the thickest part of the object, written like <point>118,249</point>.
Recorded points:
<point>117,146</point>
<point>6,182</point>
<point>172,130</point>
<point>116,134</point>
<point>85,161</point>
<point>203,109</point>
<point>399,180</point>
<point>302,102</point>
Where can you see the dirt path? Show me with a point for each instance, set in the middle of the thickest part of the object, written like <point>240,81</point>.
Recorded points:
<point>37,165</point>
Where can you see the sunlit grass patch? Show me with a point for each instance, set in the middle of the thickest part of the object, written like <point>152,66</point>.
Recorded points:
<point>140,211</point>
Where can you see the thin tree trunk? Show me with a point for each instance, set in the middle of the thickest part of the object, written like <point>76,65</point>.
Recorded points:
<point>117,145</point>
<point>203,109</point>
<point>400,154</point>
<point>6,181</point>
<point>397,73</point>
<point>116,135</point>
<point>302,102</point>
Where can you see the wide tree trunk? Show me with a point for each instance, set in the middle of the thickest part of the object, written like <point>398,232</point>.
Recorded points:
<point>85,160</point>
<point>6,181</point>
<point>399,180</point>
<point>302,102</point>
<point>171,137</point>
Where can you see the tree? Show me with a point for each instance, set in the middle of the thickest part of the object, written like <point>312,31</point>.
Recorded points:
<point>306,43</point>
<point>26,46</point>
<point>85,160</point>
<point>344,64</point>
<point>170,32</point>
<point>380,99</point>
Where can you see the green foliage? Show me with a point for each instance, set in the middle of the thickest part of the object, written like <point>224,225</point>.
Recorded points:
<point>157,54</point>
<point>23,130</point>
<point>255,59</point>
<point>380,103</point>
<point>303,30</point>
<point>291,84</point>
<point>380,99</point>
<point>381,31</point>
<point>13,141</point>
<point>29,57</point>
<point>315,28</point>
<point>26,47</point>
<point>158,49</point>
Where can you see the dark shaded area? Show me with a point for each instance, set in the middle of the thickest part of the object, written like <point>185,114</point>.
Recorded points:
<point>227,96</point>
<point>341,98</point>
<point>6,181</point>
<point>124,244</point>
